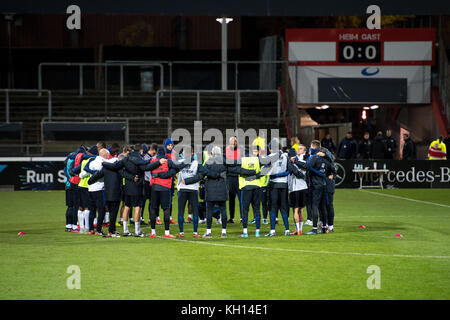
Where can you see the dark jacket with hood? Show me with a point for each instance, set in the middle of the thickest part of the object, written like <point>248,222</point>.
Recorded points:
<point>215,171</point>
<point>378,147</point>
<point>409,150</point>
<point>133,165</point>
<point>328,144</point>
<point>113,183</point>
<point>391,147</point>
<point>318,168</point>
<point>365,149</point>
<point>348,149</point>
<point>331,170</point>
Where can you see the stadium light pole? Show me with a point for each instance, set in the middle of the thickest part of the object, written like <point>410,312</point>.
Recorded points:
<point>224,21</point>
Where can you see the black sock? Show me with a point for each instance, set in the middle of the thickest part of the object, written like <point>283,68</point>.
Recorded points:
<point>153,217</point>
<point>167,219</point>
<point>69,215</point>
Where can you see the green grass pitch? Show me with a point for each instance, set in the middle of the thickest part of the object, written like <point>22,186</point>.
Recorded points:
<point>329,266</point>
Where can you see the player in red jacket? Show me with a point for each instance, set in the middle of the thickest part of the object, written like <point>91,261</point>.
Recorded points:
<point>161,185</point>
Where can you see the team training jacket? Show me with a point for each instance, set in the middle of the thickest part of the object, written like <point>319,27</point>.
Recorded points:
<point>162,177</point>
<point>215,171</point>
<point>280,169</point>
<point>131,166</point>
<point>331,170</point>
<point>75,163</point>
<point>317,167</point>
<point>278,173</point>
<point>188,172</point>
<point>91,168</point>
<point>67,164</point>
<point>112,180</point>
<point>148,174</point>
<point>295,183</point>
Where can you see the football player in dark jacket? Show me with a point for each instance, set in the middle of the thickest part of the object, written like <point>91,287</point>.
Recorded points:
<point>318,168</point>
<point>216,190</point>
<point>113,193</point>
<point>329,196</point>
<point>134,167</point>
<point>161,185</point>
<point>72,201</point>
<point>249,184</point>
<point>188,192</point>
<point>280,168</point>
<point>233,155</point>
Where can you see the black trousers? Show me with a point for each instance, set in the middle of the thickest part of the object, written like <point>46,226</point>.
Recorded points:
<point>319,205</point>
<point>76,203</point>
<point>308,204</point>
<point>330,208</point>
<point>265,201</point>
<point>96,202</point>
<point>69,204</point>
<point>147,195</point>
<point>160,198</point>
<point>279,200</point>
<point>209,212</point>
<point>233,192</point>
<point>253,197</point>
<point>183,198</point>
<point>83,194</point>
<point>113,207</point>
<point>69,211</point>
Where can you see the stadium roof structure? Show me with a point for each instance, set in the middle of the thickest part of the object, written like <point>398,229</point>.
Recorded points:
<point>231,7</point>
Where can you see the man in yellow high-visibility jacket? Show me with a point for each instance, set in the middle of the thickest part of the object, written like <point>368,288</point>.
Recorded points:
<point>250,188</point>
<point>437,150</point>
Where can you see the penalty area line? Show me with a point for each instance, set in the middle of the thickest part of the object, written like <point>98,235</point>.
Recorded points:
<point>310,251</point>
<point>404,198</point>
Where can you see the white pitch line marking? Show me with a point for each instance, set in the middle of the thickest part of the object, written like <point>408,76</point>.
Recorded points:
<point>404,198</point>
<point>312,251</point>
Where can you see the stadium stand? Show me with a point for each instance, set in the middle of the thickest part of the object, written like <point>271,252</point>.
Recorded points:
<point>217,110</point>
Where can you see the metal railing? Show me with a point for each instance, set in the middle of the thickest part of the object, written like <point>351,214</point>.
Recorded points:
<point>161,92</point>
<point>237,100</point>
<point>81,65</point>
<point>236,64</point>
<point>106,119</point>
<point>7,91</point>
<point>22,146</point>
<point>160,64</point>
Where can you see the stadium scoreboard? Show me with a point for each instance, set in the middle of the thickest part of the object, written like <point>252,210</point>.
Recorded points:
<point>361,65</point>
